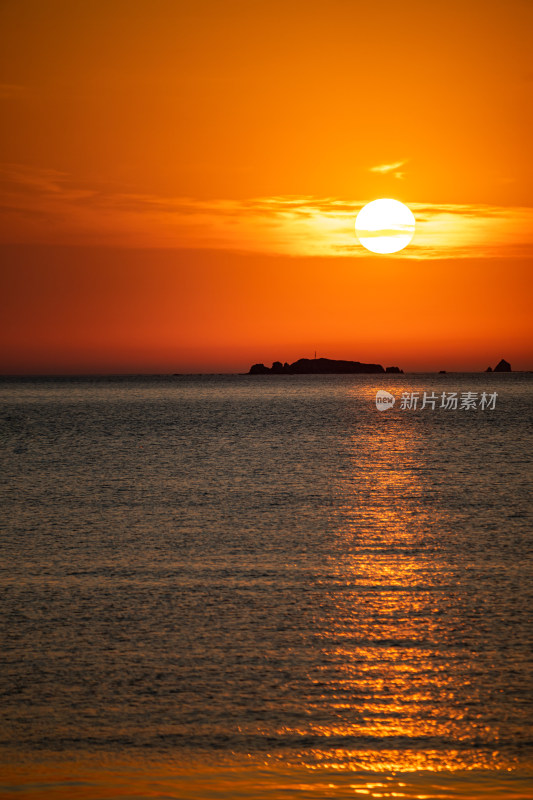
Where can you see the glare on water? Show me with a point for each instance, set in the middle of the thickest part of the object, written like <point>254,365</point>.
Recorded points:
<point>264,585</point>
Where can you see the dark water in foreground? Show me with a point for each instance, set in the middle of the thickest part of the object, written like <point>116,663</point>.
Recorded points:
<point>256,587</point>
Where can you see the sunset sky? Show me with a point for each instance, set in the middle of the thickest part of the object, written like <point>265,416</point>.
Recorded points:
<point>180,182</point>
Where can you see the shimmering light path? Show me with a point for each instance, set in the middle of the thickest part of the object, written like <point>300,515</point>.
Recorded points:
<point>237,587</point>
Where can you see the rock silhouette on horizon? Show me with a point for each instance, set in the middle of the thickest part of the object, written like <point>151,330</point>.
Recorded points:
<point>503,366</point>
<point>320,366</point>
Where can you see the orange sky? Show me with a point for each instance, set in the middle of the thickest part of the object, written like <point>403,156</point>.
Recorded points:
<point>180,182</point>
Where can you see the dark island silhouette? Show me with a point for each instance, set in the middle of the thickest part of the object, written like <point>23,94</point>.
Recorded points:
<point>320,366</point>
<point>502,366</point>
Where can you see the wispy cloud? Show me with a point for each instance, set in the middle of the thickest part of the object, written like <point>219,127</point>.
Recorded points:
<point>46,206</point>
<point>385,169</point>
<point>44,182</point>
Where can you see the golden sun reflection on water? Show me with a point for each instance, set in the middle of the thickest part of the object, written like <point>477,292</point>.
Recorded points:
<point>144,779</point>
<point>387,672</point>
<point>343,661</point>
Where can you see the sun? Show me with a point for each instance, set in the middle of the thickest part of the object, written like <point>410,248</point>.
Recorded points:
<point>385,226</point>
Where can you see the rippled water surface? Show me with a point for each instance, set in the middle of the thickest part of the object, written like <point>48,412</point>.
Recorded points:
<point>236,586</point>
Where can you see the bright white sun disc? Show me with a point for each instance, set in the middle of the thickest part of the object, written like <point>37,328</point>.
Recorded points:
<point>385,226</point>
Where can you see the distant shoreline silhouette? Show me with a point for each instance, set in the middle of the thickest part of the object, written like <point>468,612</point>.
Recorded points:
<point>332,366</point>
<point>321,366</point>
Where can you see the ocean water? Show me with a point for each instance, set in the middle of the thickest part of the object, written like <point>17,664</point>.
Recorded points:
<point>264,587</point>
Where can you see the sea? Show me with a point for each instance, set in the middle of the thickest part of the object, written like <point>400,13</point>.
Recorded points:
<point>232,586</point>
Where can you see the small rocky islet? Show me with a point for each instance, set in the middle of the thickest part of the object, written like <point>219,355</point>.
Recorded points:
<point>502,366</point>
